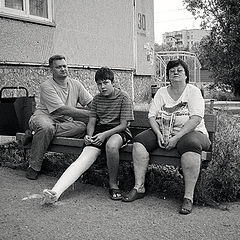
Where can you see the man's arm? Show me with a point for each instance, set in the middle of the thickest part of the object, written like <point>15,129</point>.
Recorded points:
<point>72,112</point>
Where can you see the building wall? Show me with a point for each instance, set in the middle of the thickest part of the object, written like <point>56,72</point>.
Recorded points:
<point>138,87</point>
<point>25,42</point>
<point>32,76</point>
<point>89,33</point>
<point>144,33</point>
<point>142,89</point>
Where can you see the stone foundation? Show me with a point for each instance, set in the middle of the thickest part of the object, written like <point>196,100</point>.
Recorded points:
<point>138,87</point>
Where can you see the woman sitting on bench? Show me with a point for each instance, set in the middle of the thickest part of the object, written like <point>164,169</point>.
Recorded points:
<point>176,118</point>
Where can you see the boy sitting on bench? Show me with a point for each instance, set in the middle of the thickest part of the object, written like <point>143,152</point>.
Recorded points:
<point>107,130</point>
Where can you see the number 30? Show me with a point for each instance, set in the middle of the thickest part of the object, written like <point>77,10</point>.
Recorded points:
<point>141,21</point>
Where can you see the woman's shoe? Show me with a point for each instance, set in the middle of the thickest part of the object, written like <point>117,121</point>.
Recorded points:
<point>186,206</point>
<point>133,195</point>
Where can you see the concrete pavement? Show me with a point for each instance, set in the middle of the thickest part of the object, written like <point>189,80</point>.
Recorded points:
<point>88,213</point>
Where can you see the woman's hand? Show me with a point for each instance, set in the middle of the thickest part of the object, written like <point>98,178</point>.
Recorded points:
<point>98,139</point>
<point>160,140</point>
<point>172,142</point>
<point>87,140</point>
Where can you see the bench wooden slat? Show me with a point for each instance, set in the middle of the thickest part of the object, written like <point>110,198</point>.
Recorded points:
<point>75,146</point>
<point>141,121</point>
<point>210,122</point>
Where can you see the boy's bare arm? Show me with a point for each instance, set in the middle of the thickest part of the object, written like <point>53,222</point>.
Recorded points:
<point>90,130</point>
<point>91,126</point>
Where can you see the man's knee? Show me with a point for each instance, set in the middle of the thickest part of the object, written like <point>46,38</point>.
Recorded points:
<point>47,129</point>
<point>71,129</point>
<point>40,123</point>
<point>80,129</point>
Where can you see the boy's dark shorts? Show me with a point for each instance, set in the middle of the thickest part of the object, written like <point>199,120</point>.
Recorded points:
<point>126,137</point>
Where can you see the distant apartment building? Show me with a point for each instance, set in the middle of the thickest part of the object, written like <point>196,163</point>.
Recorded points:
<point>184,38</point>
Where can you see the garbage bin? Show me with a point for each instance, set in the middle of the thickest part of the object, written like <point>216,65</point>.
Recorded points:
<point>15,112</point>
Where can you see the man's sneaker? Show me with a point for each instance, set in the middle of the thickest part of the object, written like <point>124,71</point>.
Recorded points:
<point>27,137</point>
<point>32,174</point>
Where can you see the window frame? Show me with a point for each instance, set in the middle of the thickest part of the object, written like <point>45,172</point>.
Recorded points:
<point>25,14</point>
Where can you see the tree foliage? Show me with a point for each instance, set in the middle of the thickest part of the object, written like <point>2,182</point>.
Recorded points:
<point>220,51</point>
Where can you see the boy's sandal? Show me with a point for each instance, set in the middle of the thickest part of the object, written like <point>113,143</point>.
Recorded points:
<point>133,195</point>
<point>186,206</point>
<point>115,194</point>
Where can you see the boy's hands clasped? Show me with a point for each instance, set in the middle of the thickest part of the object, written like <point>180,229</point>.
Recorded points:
<point>97,139</point>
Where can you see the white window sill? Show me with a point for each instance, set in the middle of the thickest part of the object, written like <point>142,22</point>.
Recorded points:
<point>30,19</point>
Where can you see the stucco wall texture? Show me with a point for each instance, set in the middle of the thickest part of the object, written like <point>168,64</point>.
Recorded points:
<point>24,42</point>
<point>138,88</point>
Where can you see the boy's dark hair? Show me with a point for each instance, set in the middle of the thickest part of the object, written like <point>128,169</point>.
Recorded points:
<point>103,74</point>
<point>175,63</point>
<point>54,58</point>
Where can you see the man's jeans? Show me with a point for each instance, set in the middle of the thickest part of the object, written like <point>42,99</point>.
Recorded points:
<point>45,130</point>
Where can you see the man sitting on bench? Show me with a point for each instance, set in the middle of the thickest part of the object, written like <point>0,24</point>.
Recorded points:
<point>54,114</point>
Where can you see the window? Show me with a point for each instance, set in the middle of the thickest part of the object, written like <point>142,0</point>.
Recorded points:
<point>29,10</point>
<point>178,35</point>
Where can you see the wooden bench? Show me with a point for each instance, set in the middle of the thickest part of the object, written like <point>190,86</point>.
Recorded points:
<point>158,156</point>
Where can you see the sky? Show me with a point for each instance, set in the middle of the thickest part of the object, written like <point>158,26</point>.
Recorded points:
<point>171,15</point>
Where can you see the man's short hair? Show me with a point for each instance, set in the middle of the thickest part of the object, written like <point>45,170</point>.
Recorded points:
<point>103,74</point>
<point>54,58</point>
